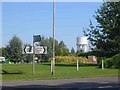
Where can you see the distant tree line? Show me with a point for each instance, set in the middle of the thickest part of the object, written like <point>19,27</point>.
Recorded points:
<point>13,51</point>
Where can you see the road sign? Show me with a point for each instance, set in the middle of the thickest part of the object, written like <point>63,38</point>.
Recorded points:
<point>40,50</point>
<point>27,50</point>
<point>36,38</point>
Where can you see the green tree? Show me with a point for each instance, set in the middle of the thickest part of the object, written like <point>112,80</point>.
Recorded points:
<point>63,51</point>
<point>60,48</point>
<point>3,52</point>
<point>72,51</point>
<point>105,36</point>
<point>49,43</point>
<point>14,49</point>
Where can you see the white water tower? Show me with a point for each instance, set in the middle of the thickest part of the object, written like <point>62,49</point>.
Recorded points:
<point>82,44</point>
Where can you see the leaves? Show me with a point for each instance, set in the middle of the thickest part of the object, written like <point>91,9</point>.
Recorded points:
<point>105,36</point>
<point>60,48</point>
<point>14,49</point>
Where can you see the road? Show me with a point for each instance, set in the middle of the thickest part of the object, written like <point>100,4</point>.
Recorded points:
<point>106,83</point>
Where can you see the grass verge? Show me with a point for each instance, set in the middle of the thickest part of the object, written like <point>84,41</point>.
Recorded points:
<point>62,71</point>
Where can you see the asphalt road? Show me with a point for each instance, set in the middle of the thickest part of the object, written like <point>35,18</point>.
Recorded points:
<point>108,83</point>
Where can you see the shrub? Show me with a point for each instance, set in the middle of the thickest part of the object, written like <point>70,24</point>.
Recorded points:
<point>113,62</point>
<point>69,59</point>
<point>116,60</point>
<point>108,63</point>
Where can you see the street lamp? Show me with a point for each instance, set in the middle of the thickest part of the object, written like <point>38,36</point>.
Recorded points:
<point>53,60</point>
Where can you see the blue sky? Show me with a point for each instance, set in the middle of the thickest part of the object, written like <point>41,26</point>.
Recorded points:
<point>27,19</point>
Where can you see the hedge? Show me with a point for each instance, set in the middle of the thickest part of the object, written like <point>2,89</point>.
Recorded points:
<point>69,59</point>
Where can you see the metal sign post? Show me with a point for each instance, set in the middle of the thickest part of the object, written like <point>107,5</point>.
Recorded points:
<point>36,38</point>
<point>33,65</point>
<point>34,50</point>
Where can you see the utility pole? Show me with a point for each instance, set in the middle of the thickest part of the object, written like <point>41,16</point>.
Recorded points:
<point>53,60</point>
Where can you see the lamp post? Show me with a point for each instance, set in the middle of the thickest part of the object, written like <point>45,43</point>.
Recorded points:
<point>53,60</point>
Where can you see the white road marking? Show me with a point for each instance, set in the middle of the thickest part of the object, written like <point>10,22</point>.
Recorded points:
<point>105,87</point>
<point>104,82</point>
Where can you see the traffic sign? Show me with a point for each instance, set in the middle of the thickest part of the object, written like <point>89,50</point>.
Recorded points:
<point>40,50</point>
<point>36,38</point>
<point>27,50</point>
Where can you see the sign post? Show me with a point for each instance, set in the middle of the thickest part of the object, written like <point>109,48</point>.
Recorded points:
<point>33,65</point>
<point>36,38</point>
<point>34,50</point>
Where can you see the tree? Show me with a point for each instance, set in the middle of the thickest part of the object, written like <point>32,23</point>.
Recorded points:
<point>72,51</point>
<point>105,36</point>
<point>49,43</point>
<point>63,51</point>
<point>14,49</point>
<point>60,48</point>
<point>4,52</point>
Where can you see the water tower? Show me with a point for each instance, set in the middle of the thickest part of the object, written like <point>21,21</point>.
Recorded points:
<point>82,44</point>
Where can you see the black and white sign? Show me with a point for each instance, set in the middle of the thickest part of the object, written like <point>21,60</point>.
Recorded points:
<point>27,50</point>
<point>38,50</point>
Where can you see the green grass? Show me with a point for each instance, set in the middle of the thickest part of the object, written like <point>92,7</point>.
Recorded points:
<point>63,71</point>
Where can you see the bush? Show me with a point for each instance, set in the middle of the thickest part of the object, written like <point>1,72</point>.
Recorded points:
<point>113,62</point>
<point>69,59</point>
<point>116,60</point>
<point>108,63</point>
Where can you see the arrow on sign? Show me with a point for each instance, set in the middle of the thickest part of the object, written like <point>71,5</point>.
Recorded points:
<point>38,50</point>
<point>27,50</point>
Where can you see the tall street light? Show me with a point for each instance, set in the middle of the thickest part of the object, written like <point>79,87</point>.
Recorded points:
<point>53,60</point>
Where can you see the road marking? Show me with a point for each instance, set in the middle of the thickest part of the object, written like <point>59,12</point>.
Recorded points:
<point>104,82</point>
<point>105,87</point>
